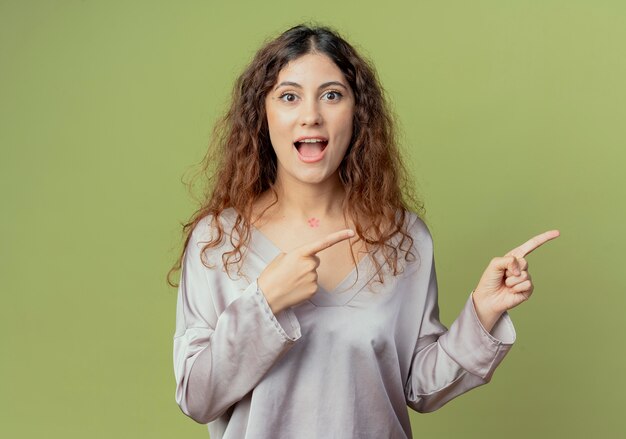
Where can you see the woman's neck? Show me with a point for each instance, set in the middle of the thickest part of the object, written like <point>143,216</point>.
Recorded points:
<point>306,203</point>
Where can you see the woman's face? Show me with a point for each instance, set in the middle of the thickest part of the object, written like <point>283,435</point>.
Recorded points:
<point>311,99</point>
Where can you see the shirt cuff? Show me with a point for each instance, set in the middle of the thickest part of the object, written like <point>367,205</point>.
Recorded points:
<point>285,321</point>
<point>470,345</point>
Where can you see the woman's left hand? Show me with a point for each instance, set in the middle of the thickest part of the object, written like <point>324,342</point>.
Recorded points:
<point>506,282</point>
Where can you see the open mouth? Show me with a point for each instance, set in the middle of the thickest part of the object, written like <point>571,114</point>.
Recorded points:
<point>310,149</point>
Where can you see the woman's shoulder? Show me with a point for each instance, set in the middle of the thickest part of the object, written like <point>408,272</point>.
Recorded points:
<point>206,229</point>
<point>416,226</point>
<point>422,241</point>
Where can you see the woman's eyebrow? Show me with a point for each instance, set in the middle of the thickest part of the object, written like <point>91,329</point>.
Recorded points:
<point>324,85</point>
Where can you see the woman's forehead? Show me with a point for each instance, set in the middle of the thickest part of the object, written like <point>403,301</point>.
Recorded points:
<point>309,65</point>
<point>311,70</point>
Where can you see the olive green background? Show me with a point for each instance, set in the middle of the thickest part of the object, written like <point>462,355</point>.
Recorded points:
<point>513,114</point>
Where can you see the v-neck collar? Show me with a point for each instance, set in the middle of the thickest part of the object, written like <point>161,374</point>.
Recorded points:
<point>338,296</point>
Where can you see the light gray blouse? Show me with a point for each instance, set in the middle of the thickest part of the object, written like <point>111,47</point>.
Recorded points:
<point>343,364</point>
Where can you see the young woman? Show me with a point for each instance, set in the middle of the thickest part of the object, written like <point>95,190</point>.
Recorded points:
<point>330,327</point>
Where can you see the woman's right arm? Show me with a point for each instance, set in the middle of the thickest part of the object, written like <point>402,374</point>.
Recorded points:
<point>220,356</point>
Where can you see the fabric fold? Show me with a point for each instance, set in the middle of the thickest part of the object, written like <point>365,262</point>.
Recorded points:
<point>449,362</point>
<point>473,347</point>
<point>218,362</point>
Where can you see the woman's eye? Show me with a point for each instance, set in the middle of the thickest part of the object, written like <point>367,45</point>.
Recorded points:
<point>287,94</point>
<point>335,93</point>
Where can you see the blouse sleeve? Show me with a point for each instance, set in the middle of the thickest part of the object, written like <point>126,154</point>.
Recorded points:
<point>220,356</point>
<point>448,363</point>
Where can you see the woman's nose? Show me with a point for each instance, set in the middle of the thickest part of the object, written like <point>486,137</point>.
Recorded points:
<point>310,113</point>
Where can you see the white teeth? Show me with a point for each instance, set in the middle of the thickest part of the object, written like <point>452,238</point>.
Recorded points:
<point>312,141</point>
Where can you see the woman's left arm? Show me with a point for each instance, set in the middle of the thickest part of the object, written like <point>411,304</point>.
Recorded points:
<point>447,363</point>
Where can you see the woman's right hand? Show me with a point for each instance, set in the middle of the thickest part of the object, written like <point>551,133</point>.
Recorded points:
<point>291,277</point>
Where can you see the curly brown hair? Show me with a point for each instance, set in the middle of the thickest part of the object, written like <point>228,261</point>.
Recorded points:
<point>240,163</point>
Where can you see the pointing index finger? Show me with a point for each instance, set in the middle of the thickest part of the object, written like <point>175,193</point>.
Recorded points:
<point>533,243</point>
<point>330,240</point>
